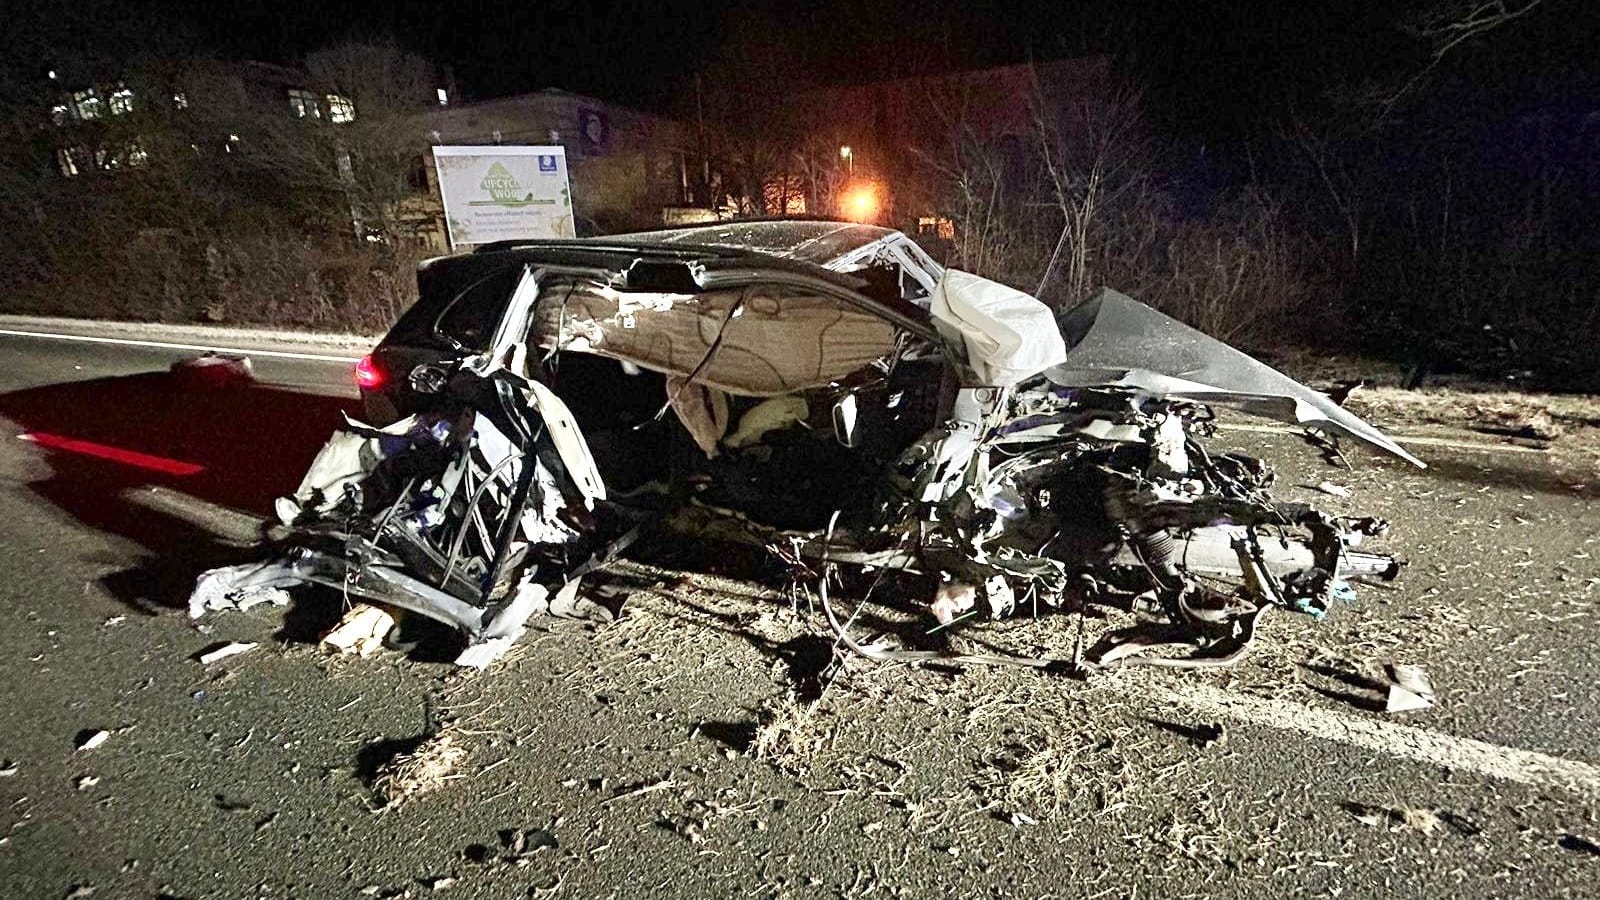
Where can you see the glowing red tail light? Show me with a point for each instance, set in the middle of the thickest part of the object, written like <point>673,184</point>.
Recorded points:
<point>368,375</point>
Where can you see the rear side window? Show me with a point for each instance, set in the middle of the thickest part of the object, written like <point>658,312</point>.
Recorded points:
<point>464,299</point>
<point>472,316</point>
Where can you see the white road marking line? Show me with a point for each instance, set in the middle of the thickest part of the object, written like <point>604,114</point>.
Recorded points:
<point>1380,736</point>
<point>165,345</point>
<point>1404,438</point>
<point>233,525</point>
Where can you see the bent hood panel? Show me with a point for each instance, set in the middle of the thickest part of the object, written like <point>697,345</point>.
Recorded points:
<point>1114,340</point>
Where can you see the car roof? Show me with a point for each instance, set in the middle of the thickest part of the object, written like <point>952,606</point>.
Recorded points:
<point>815,241</point>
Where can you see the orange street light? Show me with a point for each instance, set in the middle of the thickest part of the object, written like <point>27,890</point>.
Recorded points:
<point>861,203</point>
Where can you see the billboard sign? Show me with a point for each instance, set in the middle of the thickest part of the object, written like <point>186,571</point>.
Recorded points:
<point>504,193</point>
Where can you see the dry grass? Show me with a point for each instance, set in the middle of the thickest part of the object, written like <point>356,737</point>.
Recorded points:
<point>1398,818</point>
<point>1051,773</point>
<point>423,770</point>
<point>788,734</point>
<point>1500,409</point>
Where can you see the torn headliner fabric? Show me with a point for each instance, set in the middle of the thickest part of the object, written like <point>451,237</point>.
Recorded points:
<point>755,341</point>
<point>1114,340</point>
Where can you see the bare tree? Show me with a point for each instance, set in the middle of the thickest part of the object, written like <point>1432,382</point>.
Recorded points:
<point>1092,154</point>
<point>1335,161</point>
<point>1441,28</point>
<point>359,148</point>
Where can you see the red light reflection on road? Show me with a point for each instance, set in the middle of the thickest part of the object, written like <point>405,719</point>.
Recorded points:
<point>114,454</point>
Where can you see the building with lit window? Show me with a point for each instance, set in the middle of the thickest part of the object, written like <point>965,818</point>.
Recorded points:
<point>629,169</point>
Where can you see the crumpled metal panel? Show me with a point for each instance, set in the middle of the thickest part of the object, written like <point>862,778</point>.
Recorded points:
<point>1114,340</point>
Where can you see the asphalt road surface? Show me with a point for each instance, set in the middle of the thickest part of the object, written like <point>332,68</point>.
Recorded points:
<point>666,755</point>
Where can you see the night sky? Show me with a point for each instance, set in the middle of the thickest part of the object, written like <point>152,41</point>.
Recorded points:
<point>1211,67</point>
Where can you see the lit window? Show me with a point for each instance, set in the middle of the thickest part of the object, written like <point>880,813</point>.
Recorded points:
<point>304,104</point>
<point>88,104</point>
<point>67,160</point>
<point>444,97</point>
<point>59,113</point>
<point>340,109</point>
<point>131,155</point>
<point>936,226</point>
<point>121,101</point>
<point>180,100</point>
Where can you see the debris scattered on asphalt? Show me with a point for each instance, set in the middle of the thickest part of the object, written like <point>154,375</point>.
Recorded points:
<point>216,369</point>
<point>211,597</point>
<point>951,600</point>
<point>115,620</point>
<point>90,739</point>
<point>1396,818</point>
<point>425,769</point>
<point>1410,689</point>
<point>651,787</point>
<point>1580,844</point>
<point>360,631</point>
<point>224,651</point>
<point>85,782</point>
<point>79,891</point>
<point>518,846</point>
<point>9,768</point>
<point>1336,490</point>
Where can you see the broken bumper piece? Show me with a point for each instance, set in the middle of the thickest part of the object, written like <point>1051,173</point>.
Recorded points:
<point>473,518</point>
<point>490,632</point>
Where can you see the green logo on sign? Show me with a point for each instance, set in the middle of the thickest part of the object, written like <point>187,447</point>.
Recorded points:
<point>505,190</point>
<point>500,185</point>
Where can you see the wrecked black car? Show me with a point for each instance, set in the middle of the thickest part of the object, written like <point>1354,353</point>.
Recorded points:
<point>843,414</point>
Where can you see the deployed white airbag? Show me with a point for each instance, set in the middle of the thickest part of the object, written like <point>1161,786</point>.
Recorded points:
<point>1009,335</point>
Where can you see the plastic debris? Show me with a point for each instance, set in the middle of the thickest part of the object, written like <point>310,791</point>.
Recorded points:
<point>952,599</point>
<point>1336,490</point>
<point>216,369</point>
<point>212,593</point>
<point>360,631</point>
<point>1410,689</point>
<point>232,648</point>
<point>89,740</point>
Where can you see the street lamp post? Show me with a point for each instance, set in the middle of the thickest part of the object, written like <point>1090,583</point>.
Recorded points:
<point>849,157</point>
